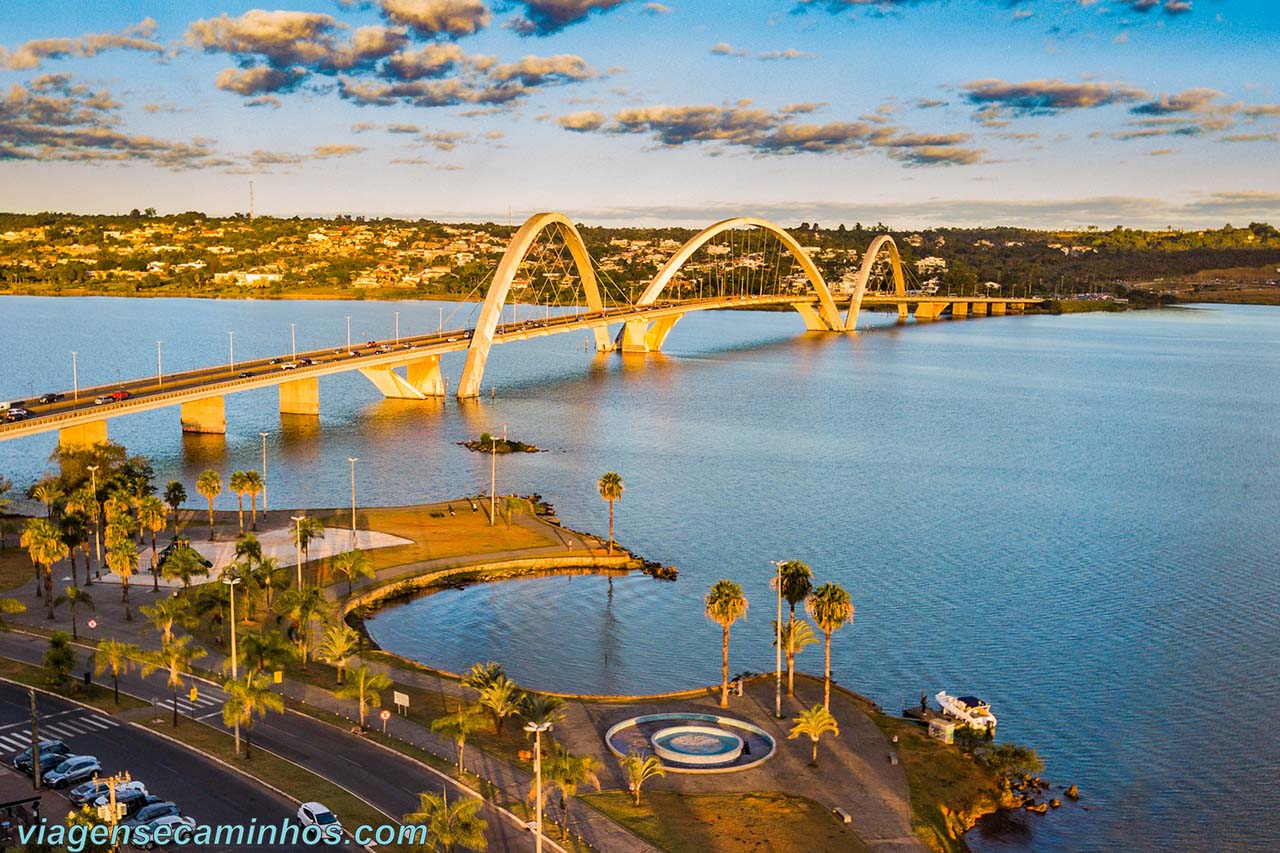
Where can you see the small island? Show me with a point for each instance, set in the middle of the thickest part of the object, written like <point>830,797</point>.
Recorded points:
<point>489,444</point>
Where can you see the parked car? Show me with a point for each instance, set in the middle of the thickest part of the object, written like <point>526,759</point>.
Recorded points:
<point>51,754</point>
<point>133,800</point>
<point>88,792</point>
<point>152,812</point>
<point>73,769</point>
<point>120,395</point>
<point>315,814</point>
<point>172,822</point>
<point>51,397</point>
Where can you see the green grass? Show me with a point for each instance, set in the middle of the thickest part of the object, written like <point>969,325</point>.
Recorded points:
<point>727,823</point>
<point>96,695</point>
<point>15,567</point>
<point>944,783</point>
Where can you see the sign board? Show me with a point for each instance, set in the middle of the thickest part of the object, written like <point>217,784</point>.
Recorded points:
<point>385,715</point>
<point>278,676</point>
<point>93,623</point>
<point>194,694</point>
<point>401,701</point>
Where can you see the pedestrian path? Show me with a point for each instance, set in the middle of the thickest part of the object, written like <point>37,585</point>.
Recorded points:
<point>205,705</point>
<point>67,726</point>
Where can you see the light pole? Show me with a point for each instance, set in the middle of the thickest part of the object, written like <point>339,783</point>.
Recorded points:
<point>537,729</point>
<point>441,330</point>
<point>493,475</point>
<point>397,328</point>
<point>232,342</point>
<point>777,691</point>
<point>75,377</point>
<point>293,339</point>
<point>159,366</point>
<point>348,333</point>
<point>297,520</point>
<point>97,541</point>
<point>264,473</point>
<point>231,579</point>
<point>353,460</point>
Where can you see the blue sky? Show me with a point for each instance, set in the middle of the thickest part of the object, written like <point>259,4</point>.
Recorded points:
<point>1054,113</point>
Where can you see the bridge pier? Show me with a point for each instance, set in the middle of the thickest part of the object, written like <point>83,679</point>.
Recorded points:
<point>87,434</point>
<point>902,312</point>
<point>631,337</point>
<point>979,309</point>
<point>813,321</point>
<point>207,415</point>
<point>926,311</point>
<point>300,397</point>
<point>959,309</point>
<point>998,309</point>
<point>423,379</point>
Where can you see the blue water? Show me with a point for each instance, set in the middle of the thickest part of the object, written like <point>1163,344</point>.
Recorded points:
<point>1072,517</point>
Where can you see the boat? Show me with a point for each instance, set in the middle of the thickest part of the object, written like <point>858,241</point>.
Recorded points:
<point>968,710</point>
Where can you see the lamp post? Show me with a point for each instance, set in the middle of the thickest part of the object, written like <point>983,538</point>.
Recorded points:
<point>232,342</point>
<point>493,475</point>
<point>297,520</point>
<point>231,579</point>
<point>777,691</point>
<point>264,473</point>
<point>348,333</point>
<point>159,366</point>
<point>97,541</point>
<point>397,328</point>
<point>441,328</point>
<point>75,377</point>
<point>293,339</point>
<point>537,729</point>
<point>353,460</point>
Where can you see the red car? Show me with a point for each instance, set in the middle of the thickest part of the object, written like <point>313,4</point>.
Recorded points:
<point>120,395</point>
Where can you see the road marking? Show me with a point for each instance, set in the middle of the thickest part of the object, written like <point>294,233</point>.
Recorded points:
<point>43,717</point>
<point>10,740</point>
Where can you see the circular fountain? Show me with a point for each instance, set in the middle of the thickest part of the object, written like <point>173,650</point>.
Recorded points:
<point>692,742</point>
<point>701,746</point>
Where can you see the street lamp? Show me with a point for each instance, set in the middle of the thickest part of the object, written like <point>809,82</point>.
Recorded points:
<point>75,377</point>
<point>97,541</point>
<point>297,519</point>
<point>231,579</point>
<point>397,328</point>
<point>159,366</point>
<point>777,691</point>
<point>353,460</point>
<point>264,473</point>
<point>232,341</point>
<point>348,333</point>
<point>537,729</point>
<point>493,475</point>
<point>293,339</point>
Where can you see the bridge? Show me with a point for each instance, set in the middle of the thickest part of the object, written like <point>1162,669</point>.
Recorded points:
<point>738,263</point>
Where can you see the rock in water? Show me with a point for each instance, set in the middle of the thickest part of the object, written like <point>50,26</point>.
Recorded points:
<point>1073,792</point>
<point>1055,803</point>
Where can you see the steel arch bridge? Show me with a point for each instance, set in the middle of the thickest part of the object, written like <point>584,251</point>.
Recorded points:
<point>80,415</point>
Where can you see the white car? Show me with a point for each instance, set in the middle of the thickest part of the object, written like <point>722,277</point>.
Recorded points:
<point>315,814</point>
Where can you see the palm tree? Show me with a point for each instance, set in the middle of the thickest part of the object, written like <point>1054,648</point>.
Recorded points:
<point>253,485</point>
<point>183,563</point>
<point>725,605</point>
<point>304,532</point>
<point>73,531</point>
<point>449,825</point>
<point>339,643</point>
<point>48,493</point>
<point>797,583</point>
<point>176,656</point>
<point>567,773</point>
<point>639,769</point>
<point>459,724</point>
<point>118,657</point>
<point>153,515</point>
<point>248,695</point>
<point>271,577</point>
<point>175,495</point>
<point>481,675</point>
<point>75,598</point>
<point>123,560</point>
<point>363,687</point>
<point>611,490</point>
<point>167,613</point>
<point>84,504</point>
<point>539,709</point>
<point>503,699</point>
<point>214,600</point>
<point>238,485</point>
<point>830,607</point>
<point>262,652</point>
<point>352,565</point>
<point>210,486</point>
<point>249,549</point>
<point>814,723</point>
<point>302,606</point>
<point>45,547</point>
<point>795,636</point>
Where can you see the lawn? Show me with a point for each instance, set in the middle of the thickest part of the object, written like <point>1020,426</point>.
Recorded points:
<point>728,823</point>
<point>97,695</point>
<point>15,567</point>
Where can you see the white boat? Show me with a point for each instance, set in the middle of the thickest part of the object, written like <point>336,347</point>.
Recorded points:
<point>969,710</point>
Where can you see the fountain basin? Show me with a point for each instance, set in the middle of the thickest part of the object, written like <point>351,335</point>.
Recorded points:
<point>700,746</point>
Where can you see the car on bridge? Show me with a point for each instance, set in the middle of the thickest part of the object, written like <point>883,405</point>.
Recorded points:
<point>120,395</point>
<point>289,365</point>
<point>51,397</point>
<point>17,415</point>
<point>245,374</point>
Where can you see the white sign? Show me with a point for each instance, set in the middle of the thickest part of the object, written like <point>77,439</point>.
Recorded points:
<point>401,701</point>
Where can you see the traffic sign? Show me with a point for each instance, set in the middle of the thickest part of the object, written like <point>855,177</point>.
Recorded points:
<point>385,715</point>
<point>93,623</point>
<point>278,676</point>
<point>194,694</point>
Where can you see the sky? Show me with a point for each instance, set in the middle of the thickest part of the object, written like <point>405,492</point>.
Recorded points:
<point>914,113</point>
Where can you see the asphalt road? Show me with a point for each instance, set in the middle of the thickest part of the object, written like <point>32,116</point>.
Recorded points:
<point>205,791</point>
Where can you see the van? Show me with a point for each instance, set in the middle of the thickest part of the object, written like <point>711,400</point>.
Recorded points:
<point>4,405</point>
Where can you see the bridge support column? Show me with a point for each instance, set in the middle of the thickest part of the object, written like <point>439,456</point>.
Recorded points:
<point>300,397</point>
<point>998,308</point>
<point>87,434</point>
<point>902,312</point>
<point>424,379</point>
<point>1017,307</point>
<point>632,336</point>
<point>959,309</point>
<point>658,332</point>
<point>812,319</point>
<point>926,311</point>
<point>206,416</point>
<point>979,309</point>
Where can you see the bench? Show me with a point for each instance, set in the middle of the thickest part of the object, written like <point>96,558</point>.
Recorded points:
<point>844,816</point>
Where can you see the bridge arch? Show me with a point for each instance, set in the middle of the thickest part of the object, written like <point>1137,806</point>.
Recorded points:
<point>882,243</point>
<point>827,316</point>
<point>491,311</point>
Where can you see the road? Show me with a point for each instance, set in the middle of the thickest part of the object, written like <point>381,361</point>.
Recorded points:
<point>204,790</point>
<point>387,781</point>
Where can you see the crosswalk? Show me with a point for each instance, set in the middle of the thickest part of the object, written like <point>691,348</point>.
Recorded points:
<point>66,726</point>
<point>204,706</point>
